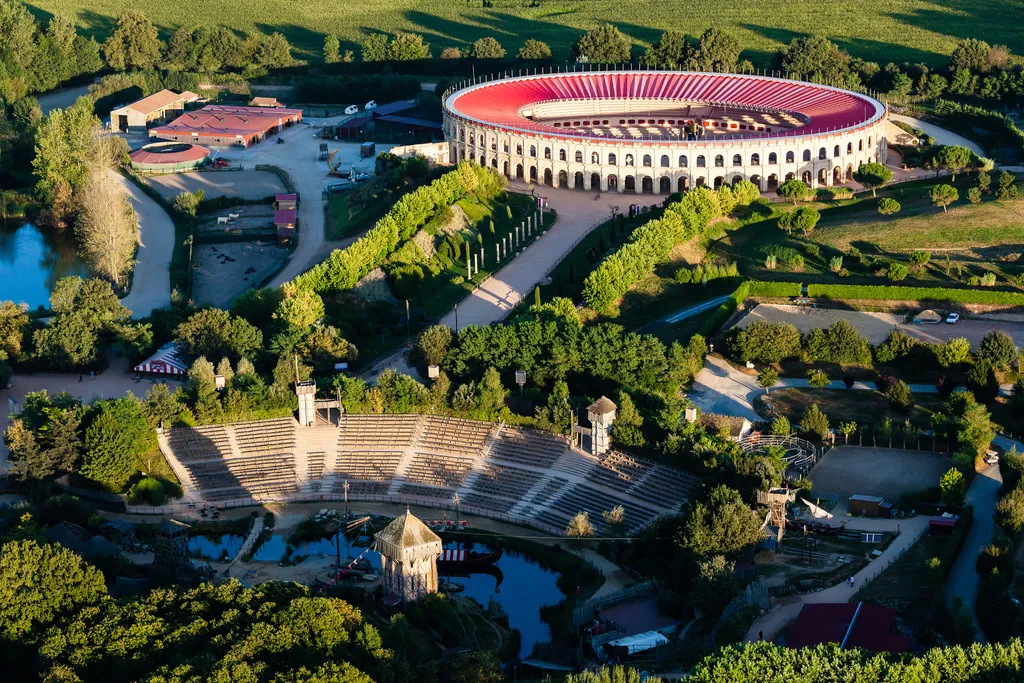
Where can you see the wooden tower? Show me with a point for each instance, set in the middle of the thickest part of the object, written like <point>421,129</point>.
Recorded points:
<point>409,552</point>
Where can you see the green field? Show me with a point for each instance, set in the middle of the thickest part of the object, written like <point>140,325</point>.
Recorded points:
<point>878,30</point>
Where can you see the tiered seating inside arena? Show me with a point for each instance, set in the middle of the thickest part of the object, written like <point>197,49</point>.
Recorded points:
<point>200,443</point>
<point>667,487</point>
<point>454,435</point>
<point>438,470</point>
<point>368,432</point>
<point>484,502</point>
<point>315,465</point>
<point>585,499</point>
<point>618,470</point>
<point>368,472</point>
<point>505,480</point>
<point>243,477</point>
<point>522,447</point>
<point>503,103</point>
<point>265,436</point>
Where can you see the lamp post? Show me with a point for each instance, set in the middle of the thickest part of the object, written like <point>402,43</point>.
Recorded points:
<point>456,500</point>
<point>346,487</point>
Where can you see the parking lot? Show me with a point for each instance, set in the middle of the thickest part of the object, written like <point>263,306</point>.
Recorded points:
<point>973,330</point>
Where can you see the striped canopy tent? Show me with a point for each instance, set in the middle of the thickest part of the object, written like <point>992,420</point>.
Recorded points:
<point>168,360</point>
<point>452,555</point>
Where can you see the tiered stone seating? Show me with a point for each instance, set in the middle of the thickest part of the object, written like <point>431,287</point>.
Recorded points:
<point>478,500</point>
<point>367,465</point>
<point>265,436</point>
<point>549,490</point>
<point>315,465</point>
<point>585,499</point>
<point>425,491</point>
<point>438,470</point>
<point>618,470</point>
<point>222,479</point>
<point>524,447</point>
<point>200,443</point>
<point>505,480</point>
<point>667,486</point>
<point>373,432</point>
<point>454,435</point>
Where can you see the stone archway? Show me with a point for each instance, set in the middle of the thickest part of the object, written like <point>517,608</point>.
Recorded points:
<point>807,178</point>
<point>647,185</point>
<point>533,175</point>
<point>547,176</point>
<point>595,181</point>
<point>504,169</point>
<point>790,176</point>
<point>577,180</point>
<point>756,179</point>
<point>736,179</point>
<point>683,184</point>
<point>665,185</point>
<point>718,181</point>
<point>519,171</point>
<point>629,184</point>
<point>613,182</point>
<point>849,173</point>
<point>822,176</point>
<point>773,181</point>
<point>701,182</point>
<point>563,179</point>
<point>837,176</point>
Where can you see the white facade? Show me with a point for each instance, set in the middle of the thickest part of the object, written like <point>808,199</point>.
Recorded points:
<point>666,166</point>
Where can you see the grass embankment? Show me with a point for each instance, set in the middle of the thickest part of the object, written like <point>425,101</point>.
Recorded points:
<point>345,220</point>
<point>850,405</point>
<point>878,30</point>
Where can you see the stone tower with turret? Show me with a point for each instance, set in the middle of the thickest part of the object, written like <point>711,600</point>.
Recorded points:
<point>409,552</point>
<point>602,414</point>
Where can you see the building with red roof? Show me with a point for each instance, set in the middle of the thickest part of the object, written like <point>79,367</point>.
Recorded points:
<point>167,157</point>
<point>219,125</point>
<point>663,131</point>
<point>851,624</point>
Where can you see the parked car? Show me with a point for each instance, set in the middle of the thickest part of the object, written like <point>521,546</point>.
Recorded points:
<point>352,109</point>
<point>991,458</point>
<point>953,318</point>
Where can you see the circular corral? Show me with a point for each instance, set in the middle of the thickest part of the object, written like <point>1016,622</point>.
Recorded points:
<point>167,157</point>
<point>800,453</point>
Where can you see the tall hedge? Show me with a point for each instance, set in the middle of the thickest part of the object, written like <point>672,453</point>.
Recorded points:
<point>893,293</point>
<point>776,289</point>
<point>648,246</point>
<point>715,321</point>
<point>344,267</point>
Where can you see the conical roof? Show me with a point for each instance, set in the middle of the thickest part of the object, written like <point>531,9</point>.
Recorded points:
<point>601,406</point>
<point>407,532</point>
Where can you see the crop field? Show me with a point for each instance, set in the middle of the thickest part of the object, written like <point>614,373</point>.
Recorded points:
<point>877,30</point>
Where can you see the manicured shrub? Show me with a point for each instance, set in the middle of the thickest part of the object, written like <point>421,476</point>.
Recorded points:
<point>892,293</point>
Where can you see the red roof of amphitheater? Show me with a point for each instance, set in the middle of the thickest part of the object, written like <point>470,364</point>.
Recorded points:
<point>499,102</point>
<point>218,119</point>
<point>151,154</point>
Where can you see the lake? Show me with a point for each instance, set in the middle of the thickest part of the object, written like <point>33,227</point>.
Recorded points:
<point>524,586</point>
<point>32,259</point>
<point>212,547</point>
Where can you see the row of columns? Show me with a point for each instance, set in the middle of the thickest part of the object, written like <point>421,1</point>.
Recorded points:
<point>519,235</point>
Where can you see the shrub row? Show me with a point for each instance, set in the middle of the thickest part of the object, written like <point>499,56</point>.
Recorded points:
<point>715,321</point>
<point>648,246</point>
<point>894,293</point>
<point>999,121</point>
<point>775,289</point>
<point>343,269</point>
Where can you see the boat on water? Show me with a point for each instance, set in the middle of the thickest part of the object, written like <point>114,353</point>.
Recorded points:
<point>456,557</point>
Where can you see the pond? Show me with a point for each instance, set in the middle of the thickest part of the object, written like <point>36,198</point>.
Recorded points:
<point>211,547</point>
<point>32,259</point>
<point>516,582</point>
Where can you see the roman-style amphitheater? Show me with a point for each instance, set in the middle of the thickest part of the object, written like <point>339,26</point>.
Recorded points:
<point>663,131</point>
<point>498,471</point>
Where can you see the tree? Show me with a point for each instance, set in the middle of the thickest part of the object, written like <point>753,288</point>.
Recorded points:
<point>214,333</point>
<point>14,325</point>
<point>673,51</point>
<point>953,487</point>
<point>955,351</point>
<point>872,176</point>
<point>133,44</point>
<point>900,396</point>
<point>764,342</point>
<point>534,51</point>
<point>41,584</point>
<point>793,190</point>
<point>300,309</point>
<point>87,312</point>
<point>720,525</point>
<point>115,439</point>
<point>626,430</point>
<point>818,379</point>
<point>781,427</point>
<point>897,272</point>
<point>971,55</point>
<point>943,195</point>
<point>610,674</point>
<point>714,585</point>
<point>814,423</point>
<point>887,206</point>
<point>579,527</point>
<point>804,219</point>
<point>953,158</point>
<point>492,393</point>
<point>433,344</point>
<point>45,440</point>
<point>107,228</point>
<point>998,349</point>
<point>406,47</point>
<point>603,45</point>
<point>65,144</point>
<point>375,48</point>
<point>331,48</point>
<point>816,57</point>
<point>716,51</point>
<point>846,429</point>
<point>476,667</point>
<point>615,520</point>
<point>984,182</point>
<point>767,377</point>
<point>488,48</point>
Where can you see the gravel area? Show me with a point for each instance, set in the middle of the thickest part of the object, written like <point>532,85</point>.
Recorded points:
<point>875,326</point>
<point>223,271</point>
<point>243,184</point>
<point>885,472</point>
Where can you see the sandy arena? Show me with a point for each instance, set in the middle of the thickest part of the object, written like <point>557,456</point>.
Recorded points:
<point>224,270</point>
<point>875,326</point>
<point>884,472</point>
<point>244,184</point>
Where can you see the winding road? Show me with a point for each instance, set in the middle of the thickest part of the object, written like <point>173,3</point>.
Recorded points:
<point>151,280</point>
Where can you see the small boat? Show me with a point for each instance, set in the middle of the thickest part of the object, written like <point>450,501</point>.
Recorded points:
<point>461,557</point>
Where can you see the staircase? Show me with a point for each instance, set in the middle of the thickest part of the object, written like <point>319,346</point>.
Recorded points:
<point>310,443</point>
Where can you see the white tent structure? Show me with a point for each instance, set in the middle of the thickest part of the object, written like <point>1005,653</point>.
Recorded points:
<point>168,360</point>
<point>640,642</point>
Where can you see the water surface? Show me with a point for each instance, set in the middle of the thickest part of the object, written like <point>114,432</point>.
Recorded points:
<point>32,259</point>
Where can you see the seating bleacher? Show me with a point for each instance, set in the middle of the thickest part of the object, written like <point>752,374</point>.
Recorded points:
<point>377,432</point>
<point>485,502</point>
<point>368,465</point>
<point>438,470</point>
<point>505,480</point>
<point>454,435</point>
<point>667,486</point>
<point>258,475</point>
<point>199,443</point>
<point>527,447</point>
<point>425,491</point>
<point>315,465</point>
<point>618,470</point>
<point>265,436</point>
<point>576,499</point>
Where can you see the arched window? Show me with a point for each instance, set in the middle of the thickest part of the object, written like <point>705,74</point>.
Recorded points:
<point>472,138</point>
<point>629,160</point>
<point>701,163</point>
<point>789,157</point>
<point>533,151</point>
<point>835,152</point>
<point>504,147</point>
<point>579,157</point>
<point>869,142</point>
<point>737,160</point>
<point>860,145</point>
<point>822,154</point>
<point>755,159</point>
<point>462,134</point>
<point>547,152</point>
<point>807,155</point>
<point>683,161</point>
<point>611,159</point>
<point>664,161</point>
<point>647,160</point>
<point>719,160</point>
<point>519,150</point>
<point>595,158</point>
<point>561,155</point>
<point>494,144</point>
<point>773,159</point>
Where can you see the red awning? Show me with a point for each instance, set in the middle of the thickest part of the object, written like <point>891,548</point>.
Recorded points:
<point>451,555</point>
<point>166,361</point>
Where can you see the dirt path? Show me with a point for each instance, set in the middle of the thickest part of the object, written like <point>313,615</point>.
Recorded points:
<point>151,280</point>
<point>941,135</point>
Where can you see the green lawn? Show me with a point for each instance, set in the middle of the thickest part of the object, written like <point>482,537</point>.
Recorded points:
<point>877,30</point>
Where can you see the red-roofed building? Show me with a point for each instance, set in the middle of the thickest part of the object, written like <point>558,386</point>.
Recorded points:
<point>160,106</point>
<point>285,216</point>
<point>218,125</point>
<point>851,624</point>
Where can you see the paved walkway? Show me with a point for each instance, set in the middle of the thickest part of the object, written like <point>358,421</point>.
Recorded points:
<point>722,389</point>
<point>496,296</point>
<point>775,621</point>
<point>151,280</point>
<point>942,136</point>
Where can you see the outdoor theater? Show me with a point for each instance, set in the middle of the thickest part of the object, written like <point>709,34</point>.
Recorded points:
<point>661,132</point>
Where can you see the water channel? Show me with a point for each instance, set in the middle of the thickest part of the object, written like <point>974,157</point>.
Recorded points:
<point>518,583</point>
<point>32,259</point>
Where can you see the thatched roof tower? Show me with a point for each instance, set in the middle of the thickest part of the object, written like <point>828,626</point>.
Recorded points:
<point>409,553</point>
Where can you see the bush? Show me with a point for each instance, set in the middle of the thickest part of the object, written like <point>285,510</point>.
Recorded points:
<point>953,487</point>
<point>814,423</point>
<point>974,195</point>
<point>891,293</point>
<point>897,271</point>
<point>781,427</point>
<point>818,379</point>
<point>887,206</point>
<point>813,250</point>
<point>148,491</point>
<point>900,396</point>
